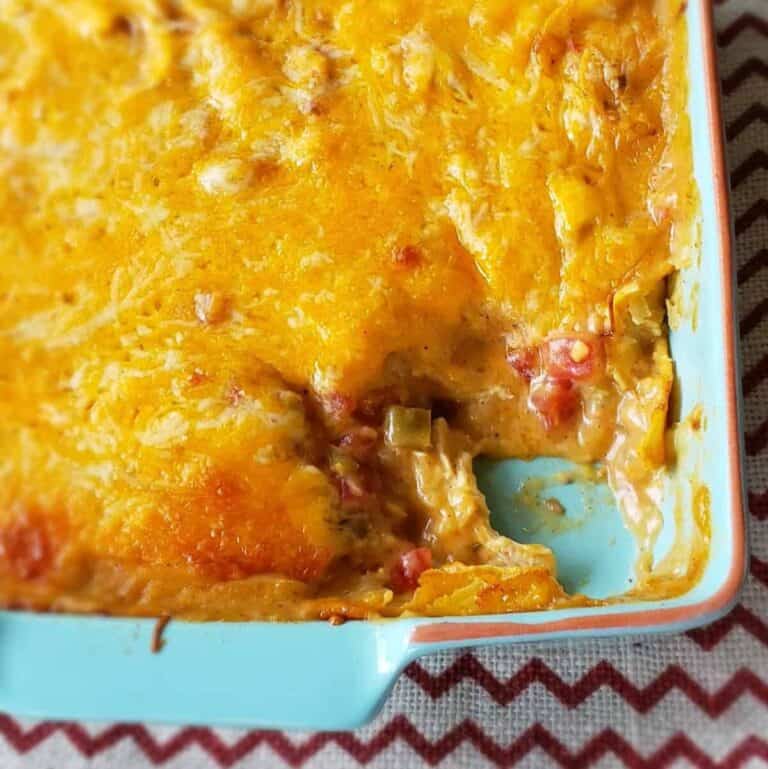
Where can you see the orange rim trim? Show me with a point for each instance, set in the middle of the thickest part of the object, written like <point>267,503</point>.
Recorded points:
<point>720,601</point>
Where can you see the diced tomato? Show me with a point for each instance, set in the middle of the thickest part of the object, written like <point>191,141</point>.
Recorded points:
<point>357,491</point>
<point>525,361</point>
<point>406,257</point>
<point>554,400</point>
<point>360,443</point>
<point>577,358</point>
<point>26,546</point>
<point>197,377</point>
<point>408,568</point>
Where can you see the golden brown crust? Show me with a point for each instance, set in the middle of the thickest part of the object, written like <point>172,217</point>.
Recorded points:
<point>235,236</point>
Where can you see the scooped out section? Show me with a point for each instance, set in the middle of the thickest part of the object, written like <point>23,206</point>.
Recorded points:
<point>570,509</point>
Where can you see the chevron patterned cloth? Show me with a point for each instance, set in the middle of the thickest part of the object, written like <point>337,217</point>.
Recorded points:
<point>696,700</point>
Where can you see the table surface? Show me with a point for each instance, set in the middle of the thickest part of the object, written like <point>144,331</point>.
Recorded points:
<point>700,699</point>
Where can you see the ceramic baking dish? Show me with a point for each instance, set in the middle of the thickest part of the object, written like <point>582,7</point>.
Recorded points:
<point>315,675</point>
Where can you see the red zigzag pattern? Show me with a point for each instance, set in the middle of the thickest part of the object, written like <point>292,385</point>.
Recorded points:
<point>642,699</point>
<point>753,318</point>
<point>754,113</point>
<point>758,505</point>
<point>757,161</point>
<point>759,570</point>
<point>755,375</point>
<point>603,744</point>
<point>740,24</point>
<point>710,636</point>
<point>756,440</point>
<point>758,210</point>
<point>751,67</point>
<point>753,265</point>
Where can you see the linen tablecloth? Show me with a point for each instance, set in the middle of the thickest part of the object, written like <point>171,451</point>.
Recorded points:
<point>699,699</point>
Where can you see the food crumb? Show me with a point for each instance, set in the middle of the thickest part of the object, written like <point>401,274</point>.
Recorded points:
<point>158,642</point>
<point>696,418</point>
<point>554,506</point>
<point>336,620</point>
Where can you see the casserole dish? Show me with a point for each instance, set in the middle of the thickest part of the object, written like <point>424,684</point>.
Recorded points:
<point>318,676</point>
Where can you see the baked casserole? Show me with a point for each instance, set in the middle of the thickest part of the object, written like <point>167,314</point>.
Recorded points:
<point>274,272</point>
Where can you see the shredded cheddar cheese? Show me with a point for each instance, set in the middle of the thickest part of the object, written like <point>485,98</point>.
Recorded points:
<point>240,241</point>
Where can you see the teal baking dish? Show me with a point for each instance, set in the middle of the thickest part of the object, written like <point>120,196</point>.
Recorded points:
<point>315,675</point>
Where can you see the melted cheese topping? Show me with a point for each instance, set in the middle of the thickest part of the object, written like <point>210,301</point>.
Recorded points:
<point>233,233</point>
